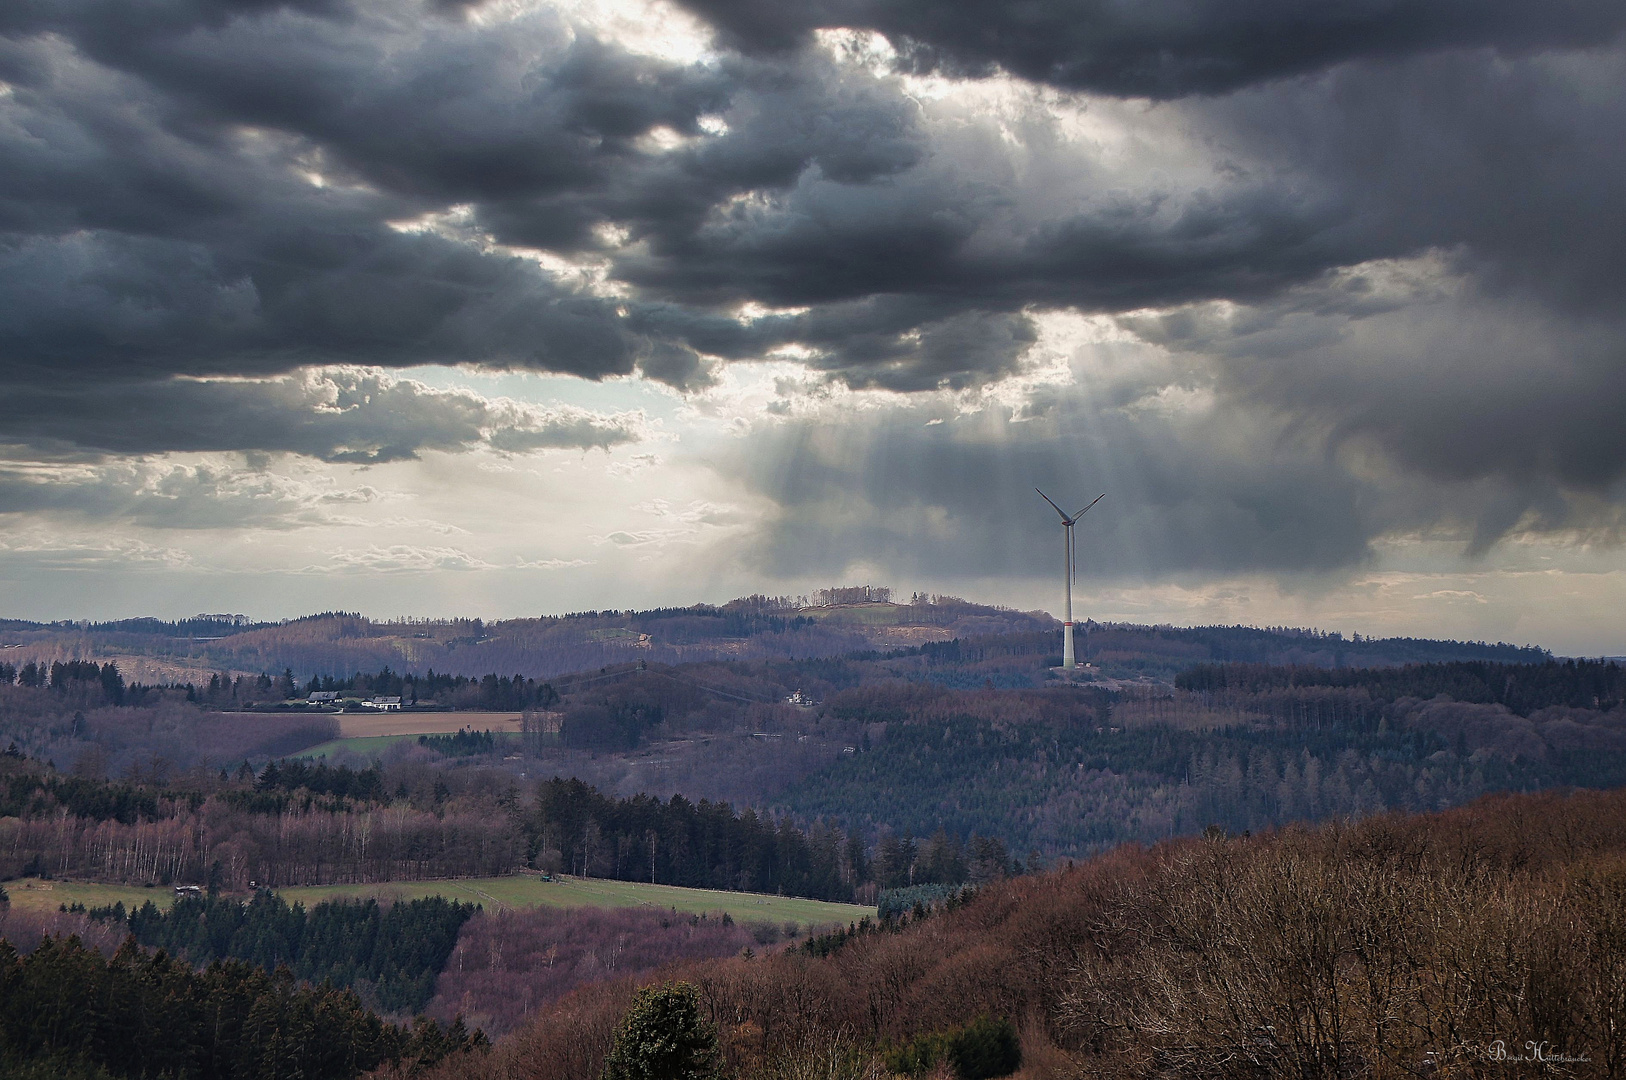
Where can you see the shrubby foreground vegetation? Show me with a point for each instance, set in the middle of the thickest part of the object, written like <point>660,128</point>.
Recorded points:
<point>508,964</point>
<point>1399,946</point>
<point>1439,945</point>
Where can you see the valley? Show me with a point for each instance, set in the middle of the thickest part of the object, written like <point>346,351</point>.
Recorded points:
<point>517,850</point>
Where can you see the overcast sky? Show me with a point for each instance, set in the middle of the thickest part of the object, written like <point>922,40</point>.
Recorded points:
<point>516,308</point>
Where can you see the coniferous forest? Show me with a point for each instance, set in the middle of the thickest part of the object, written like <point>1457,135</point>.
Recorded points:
<point>391,954</point>
<point>72,1013</point>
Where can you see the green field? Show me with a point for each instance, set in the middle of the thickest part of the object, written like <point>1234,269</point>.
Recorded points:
<point>32,894</point>
<point>517,891</point>
<point>528,890</point>
<point>866,614</point>
<point>371,744</point>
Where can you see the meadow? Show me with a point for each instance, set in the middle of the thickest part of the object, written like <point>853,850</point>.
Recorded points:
<point>515,892</point>
<point>372,745</point>
<point>372,733</point>
<point>33,894</point>
<point>372,724</point>
<point>524,891</point>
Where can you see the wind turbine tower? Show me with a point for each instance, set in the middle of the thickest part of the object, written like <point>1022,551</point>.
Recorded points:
<point>1067,659</point>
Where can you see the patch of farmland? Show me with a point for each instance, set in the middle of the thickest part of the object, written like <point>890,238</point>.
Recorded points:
<point>372,745</point>
<point>362,725</point>
<point>530,891</point>
<point>34,894</point>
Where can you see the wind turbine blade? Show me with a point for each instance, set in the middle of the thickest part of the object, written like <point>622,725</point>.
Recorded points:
<point>1084,511</point>
<point>1052,502</point>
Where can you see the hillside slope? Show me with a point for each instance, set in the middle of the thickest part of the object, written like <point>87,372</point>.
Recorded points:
<point>1400,946</point>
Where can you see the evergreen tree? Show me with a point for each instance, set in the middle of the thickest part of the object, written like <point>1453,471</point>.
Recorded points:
<point>664,1037</point>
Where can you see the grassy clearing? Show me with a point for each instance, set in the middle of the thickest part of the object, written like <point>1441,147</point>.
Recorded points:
<point>866,614</point>
<point>517,891</point>
<point>358,725</point>
<point>528,890</point>
<point>32,894</point>
<point>373,744</point>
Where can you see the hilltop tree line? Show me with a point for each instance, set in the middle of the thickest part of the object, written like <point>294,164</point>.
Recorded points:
<point>577,829</point>
<point>1523,688</point>
<point>491,691</point>
<point>391,955</point>
<point>89,684</point>
<point>254,829</point>
<point>300,823</point>
<point>1167,651</point>
<point>340,644</point>
<point>84,682</point>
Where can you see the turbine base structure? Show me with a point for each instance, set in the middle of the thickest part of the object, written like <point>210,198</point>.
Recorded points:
<point>1067,660</point>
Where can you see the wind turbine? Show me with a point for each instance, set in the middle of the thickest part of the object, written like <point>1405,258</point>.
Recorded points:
<point>1067,660</point>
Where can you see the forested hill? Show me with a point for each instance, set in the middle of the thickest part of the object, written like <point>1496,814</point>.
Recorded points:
<point>391,955</point>
<point>1123,651</point>
<point>1066,770</point>
<point>71,1013</point>
<point>1402,946</point>
<point>1523,688</point>
<point>339,645</point>
<point>298,824</point>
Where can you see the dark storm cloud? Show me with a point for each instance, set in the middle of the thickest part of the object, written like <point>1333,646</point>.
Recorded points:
<point>536,127</point>
<point>1509,404</point>
<point>136,245</point>
<point>1520,165</point>
<point>113,306</point>
<point>354,416</point>
<point>159,217</point>
<point>177,497</point>
<point>1199,480</point>
<point>1186,493</point>
<point>1167,48</point>
<point>904,344</point>
<point>208,189</point>
<point>1482,353</point>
